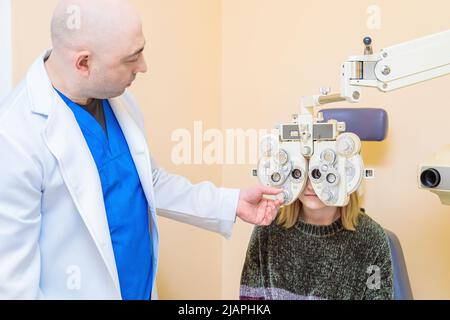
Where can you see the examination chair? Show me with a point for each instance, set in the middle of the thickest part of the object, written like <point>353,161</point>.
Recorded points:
<point>402,287</point>
<point>372,125</point>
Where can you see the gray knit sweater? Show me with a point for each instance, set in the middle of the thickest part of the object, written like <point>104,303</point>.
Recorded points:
<point>318,262</point>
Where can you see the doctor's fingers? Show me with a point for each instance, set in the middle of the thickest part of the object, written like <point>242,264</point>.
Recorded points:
<point>270,214</point>
<point>270,191</point>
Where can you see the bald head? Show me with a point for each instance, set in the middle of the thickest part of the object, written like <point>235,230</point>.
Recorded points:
<point>97,25</point>
<point>97,48</point>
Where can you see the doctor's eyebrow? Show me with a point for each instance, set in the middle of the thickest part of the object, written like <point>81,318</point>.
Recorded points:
<point>136,52</point>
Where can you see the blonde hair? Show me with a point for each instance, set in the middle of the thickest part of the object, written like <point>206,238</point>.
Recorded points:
<point>289,215</point>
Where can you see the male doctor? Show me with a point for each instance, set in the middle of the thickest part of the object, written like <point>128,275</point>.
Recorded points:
<point>79,190</point>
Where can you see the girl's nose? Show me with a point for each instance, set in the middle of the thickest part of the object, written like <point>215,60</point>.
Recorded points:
<point>309,186</point>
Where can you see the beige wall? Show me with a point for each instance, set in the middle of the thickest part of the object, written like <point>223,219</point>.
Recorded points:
<point>30,33</point>
<point>245,64</point>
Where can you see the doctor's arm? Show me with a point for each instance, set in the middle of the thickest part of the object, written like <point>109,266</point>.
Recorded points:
<point>206,206</point>
<point>20,222</point>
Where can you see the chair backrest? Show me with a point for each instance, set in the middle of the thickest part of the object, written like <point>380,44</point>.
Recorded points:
<point>402,286</point>
<point>369,124</point>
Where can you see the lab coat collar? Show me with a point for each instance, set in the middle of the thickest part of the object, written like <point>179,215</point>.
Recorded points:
<point>40,89</point>
<point>134,136</point>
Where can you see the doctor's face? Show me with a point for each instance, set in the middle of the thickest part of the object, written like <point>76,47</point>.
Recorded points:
<point>119,68</point>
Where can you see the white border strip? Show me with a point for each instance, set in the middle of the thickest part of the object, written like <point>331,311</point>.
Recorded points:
<point>5,48</point>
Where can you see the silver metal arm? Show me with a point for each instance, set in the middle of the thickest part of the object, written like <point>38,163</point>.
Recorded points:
<point>398,66</point>
<point>393,68</point>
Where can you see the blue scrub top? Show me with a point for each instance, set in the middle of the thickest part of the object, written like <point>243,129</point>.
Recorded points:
<point>125,202</point>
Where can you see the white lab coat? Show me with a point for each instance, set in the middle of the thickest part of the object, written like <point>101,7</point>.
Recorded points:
<point>54,236</point>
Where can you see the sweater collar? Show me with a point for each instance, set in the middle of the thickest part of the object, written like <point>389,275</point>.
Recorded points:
<point>320,231</point>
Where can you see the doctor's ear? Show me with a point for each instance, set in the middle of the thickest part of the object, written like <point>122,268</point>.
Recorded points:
<point>83,62</point>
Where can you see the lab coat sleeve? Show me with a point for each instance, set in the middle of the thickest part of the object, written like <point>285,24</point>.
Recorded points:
<point>20,222</point>
<point>202,205</point>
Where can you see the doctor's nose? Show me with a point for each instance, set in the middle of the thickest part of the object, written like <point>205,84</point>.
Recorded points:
<point>142,68</point>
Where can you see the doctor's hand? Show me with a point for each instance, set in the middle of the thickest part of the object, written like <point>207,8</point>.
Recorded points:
<point>255,209</point>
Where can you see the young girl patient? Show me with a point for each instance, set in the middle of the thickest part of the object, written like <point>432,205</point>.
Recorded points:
<point>313,251</point>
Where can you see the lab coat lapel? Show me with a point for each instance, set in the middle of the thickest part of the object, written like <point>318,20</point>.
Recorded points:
<point>66,142</point>
<point>137,145</point>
